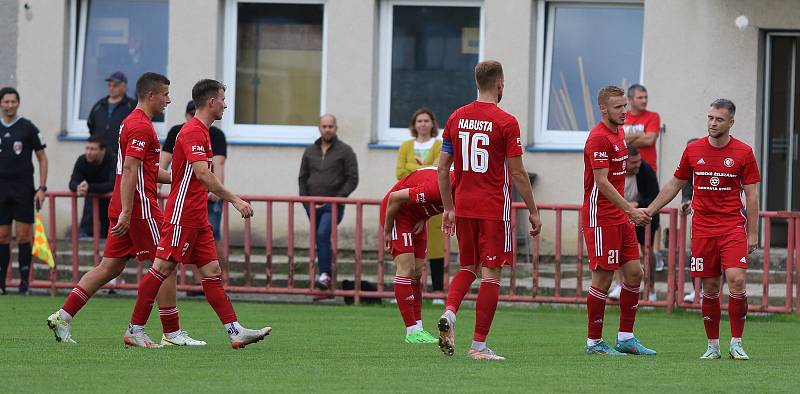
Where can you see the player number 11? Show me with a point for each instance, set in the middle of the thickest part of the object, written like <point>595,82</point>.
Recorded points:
<point>473,158</point>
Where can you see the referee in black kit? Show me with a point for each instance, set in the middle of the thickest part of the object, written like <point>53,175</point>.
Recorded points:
<point>19,138</point>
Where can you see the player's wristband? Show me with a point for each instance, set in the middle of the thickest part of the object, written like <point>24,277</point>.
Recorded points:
<point>42,188</point>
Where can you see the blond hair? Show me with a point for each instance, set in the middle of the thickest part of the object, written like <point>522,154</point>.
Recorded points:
<point>487,73</point>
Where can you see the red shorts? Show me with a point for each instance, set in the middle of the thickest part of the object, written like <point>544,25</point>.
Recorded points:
<point>140,240</point>
<point>711,255</point>
<point>405,241</point>
<point>610,247</point>
<point>187,245</point>
<point>484,241</point>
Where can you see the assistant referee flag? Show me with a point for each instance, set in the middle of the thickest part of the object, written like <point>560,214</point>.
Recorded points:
<point>41,248</point>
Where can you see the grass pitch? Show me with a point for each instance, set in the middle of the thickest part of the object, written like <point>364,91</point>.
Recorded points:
<point>327,348</point>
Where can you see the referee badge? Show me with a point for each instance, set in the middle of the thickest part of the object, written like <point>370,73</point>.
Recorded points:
<point>18,147</point>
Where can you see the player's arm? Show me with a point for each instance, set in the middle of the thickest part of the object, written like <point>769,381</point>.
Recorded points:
<point>667,193</point>
<point>519,176</point>
<point>218,168</point>
<point>164,176</point>
<point>608,191</point>
<point>396,200</point>
<point>445,188</point>
<point>207,178</point>
<point>643,140</point>
<point>130,167</point>
<point>751,201</point>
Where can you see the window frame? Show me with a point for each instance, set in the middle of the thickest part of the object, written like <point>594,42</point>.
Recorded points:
<point>266,134</point>
<point>393,136</point>
<point>561,140</point>
<point>76,126</point>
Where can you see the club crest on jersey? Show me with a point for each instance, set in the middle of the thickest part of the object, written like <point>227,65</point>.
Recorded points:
<point>728,162</point>
<point>18,147</point>
<point>714,181</point>
<point>185,248</point>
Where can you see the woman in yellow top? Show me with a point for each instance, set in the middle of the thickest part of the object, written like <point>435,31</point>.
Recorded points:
<point>423,151</point>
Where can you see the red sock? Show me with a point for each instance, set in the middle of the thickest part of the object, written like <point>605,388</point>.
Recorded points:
<point>711,314</point>
<point>169,318</point>
<point>148,288</point>
<point>488,294</point>
<point>216,297</point>
<point>417,299</point>
<point>75,301</point>
<point>628,304</point>
<point>596,306</point>
<point>404,294</point>
<point>737,312</point>
<point>459,287</point>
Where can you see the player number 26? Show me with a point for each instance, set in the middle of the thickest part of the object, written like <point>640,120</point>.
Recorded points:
<point>697,264</point>
<point>474,158</point>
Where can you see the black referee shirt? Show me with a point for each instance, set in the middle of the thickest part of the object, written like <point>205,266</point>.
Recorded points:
<point>218,143</point>
<point>17,144</point>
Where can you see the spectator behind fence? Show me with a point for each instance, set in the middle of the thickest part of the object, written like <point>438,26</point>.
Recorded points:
<point>107,114</point>
<point>19,139</point>
<point>641,187</point>
<point>329,168</point>
<point>219,146</point>
<point>94,173</point>
<point>423,151</point>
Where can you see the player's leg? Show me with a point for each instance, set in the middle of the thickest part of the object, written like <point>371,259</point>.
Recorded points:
<point>485,308</point>
<point>599,250</point>
<point>24,236</point>
<point>148,289</point>
<point>737,310</point>
<point>467,234</point>
<point>170,319</point>
<point>710,308</point>
<point>629,296</point>
<point>404,293</point>
<point>5,250</point>
<point>416,284</point>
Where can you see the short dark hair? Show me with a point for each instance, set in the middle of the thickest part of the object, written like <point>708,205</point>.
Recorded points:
<point>96,139</point>
<point>8,90</point>
<point>149,82</point>
<point>633,151</point>
<point>726,104</point>
<point>636,87</point>
<point>204,90</point>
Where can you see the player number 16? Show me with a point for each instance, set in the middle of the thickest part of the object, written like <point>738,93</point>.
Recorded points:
<point>473,158</point>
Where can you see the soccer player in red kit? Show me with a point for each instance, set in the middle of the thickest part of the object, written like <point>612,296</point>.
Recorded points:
<point>608,227</point>
<point>134,214</point>
<point>187,236</point>
<point>720,167</point>
<point>483,144</point>
<point>404,212</point>
<point>642,126</point>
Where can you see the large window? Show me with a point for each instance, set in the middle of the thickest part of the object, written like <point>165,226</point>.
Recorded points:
<point>583,47</point>
<point>428,53</point>
<point>277,70</point>
<point>114,35</point>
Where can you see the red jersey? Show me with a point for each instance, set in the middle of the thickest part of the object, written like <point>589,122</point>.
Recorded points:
<point>604,149</point>
<point>423,190</point>
<point>718,176</point>
<point>187,204</point>
<point>645,122</point>
<point>481,136</point>
<point>138,139</point>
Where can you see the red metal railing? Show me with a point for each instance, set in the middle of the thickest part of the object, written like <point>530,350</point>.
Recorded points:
<point>515,288</point>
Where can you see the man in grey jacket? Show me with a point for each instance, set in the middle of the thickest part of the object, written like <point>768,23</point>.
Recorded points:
<point>329,169</point>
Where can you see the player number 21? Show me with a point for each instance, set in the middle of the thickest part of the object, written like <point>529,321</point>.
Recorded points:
<point>613,256</point>
<point>697,264</point>
<point>474,158</point>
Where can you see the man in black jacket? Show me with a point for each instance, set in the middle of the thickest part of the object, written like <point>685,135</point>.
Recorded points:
<point>93,174</point>
<point>108,113</point>
<point>329,168</point>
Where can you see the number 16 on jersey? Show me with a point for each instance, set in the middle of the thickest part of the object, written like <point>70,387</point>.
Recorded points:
<point>473,157</point>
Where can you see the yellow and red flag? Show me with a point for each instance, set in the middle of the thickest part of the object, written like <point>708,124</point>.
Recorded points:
<point>41,248</point>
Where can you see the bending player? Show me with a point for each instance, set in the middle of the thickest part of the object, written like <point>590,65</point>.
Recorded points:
<point>187,236</point>
<point>484,142</point>
<point>608,228</point>
<point>135,216</point>
<point>404,212</point>
<point>721,167</point>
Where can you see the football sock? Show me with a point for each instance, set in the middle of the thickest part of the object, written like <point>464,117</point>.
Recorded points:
<point>169,319</point>
<point>450,315</point>
<point>459,287</point>
<point>624,336</point>
<point>712,314</point>
<point>596,308</point>
<point>737,312</point>
<point>5,259</point>
<point>25,257</point>
<point>628,304</point>
<point>478,345</point>
<point>219,301</point>
<point>404,294</point>
<point>485,307</point>
<point>713,343</point>
<point>75,301</point>
<point>417,289</point>
<point>233,327</point>
<point>148,288</point>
